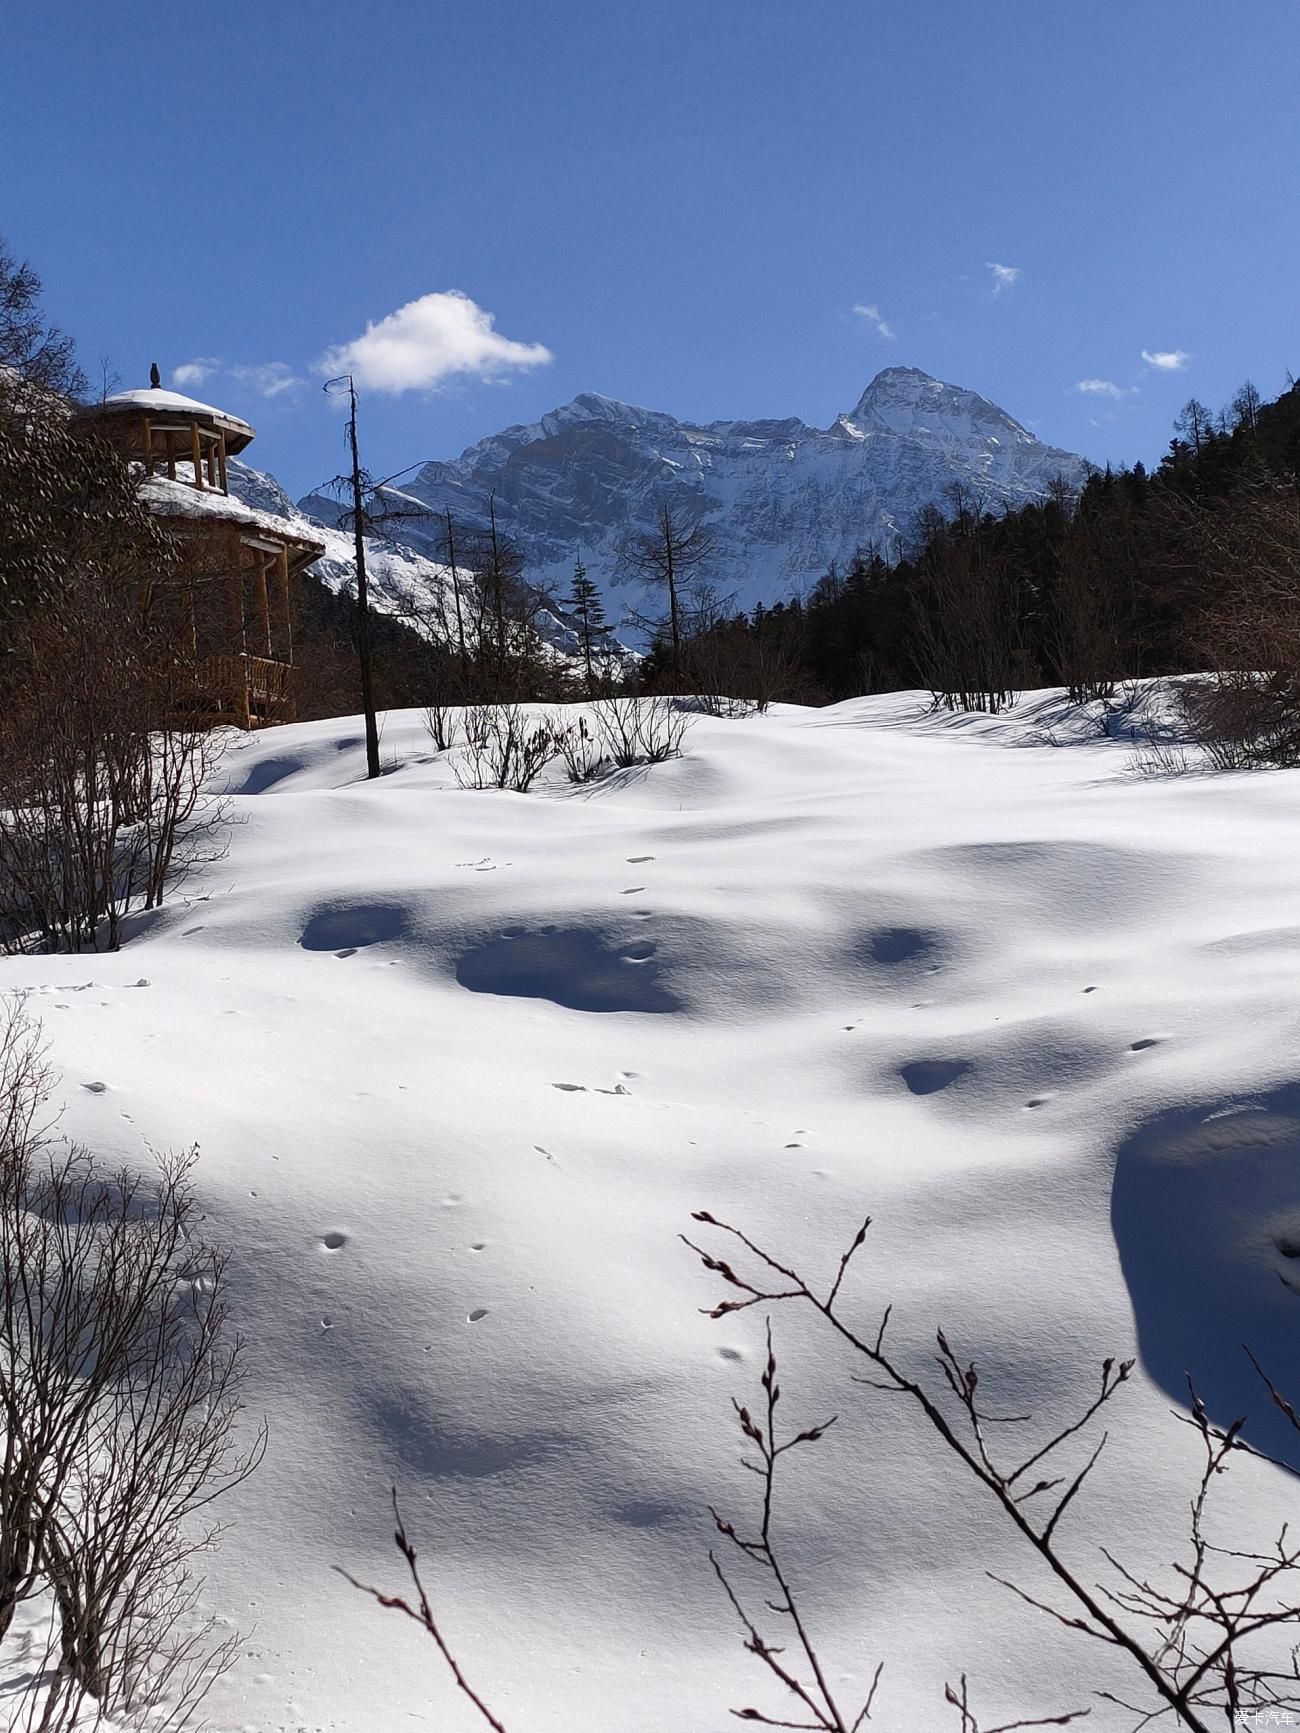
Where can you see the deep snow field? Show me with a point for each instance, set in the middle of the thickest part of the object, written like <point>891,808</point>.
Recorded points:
<point>462,1063</point>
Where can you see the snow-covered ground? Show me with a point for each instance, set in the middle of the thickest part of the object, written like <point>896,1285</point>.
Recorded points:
<point>462,1063</point>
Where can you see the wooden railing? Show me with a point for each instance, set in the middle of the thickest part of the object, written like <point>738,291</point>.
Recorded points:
<point>245,690</point>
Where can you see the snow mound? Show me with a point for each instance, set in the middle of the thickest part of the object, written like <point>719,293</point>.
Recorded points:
<point>462,1063</point>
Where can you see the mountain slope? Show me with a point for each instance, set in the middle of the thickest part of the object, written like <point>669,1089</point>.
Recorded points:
<point>783,498</point>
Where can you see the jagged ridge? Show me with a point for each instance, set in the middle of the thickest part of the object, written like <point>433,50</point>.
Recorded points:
<point>783,498</point>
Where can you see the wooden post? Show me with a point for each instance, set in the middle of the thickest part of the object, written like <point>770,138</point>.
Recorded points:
<point>171,454</point>
<point>196,446</point>
<point>221,462</point>
<point>286,614</point>
<point>148,446</point>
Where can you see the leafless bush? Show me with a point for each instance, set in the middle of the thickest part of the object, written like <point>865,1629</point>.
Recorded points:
<point>580,752</point>
<point>440,720</point>
<point>503,749</point>
<point>120,1391</point>
<point>1247,627</point>
<point>639,730</point>
<point>102,783</point>
<point>715,703</point>
<point>738,667</point>
<point>1158,760</point>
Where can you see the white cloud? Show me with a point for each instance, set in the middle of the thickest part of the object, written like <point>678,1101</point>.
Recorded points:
<point>1167,360</point>
<point>267,378</point>
<point>1004,276</point>
<point>1100,388</point>
<point>428,341</point>
<point>195,372</point>
<point>873,317</point>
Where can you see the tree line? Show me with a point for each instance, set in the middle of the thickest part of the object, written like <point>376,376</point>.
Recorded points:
<point>1190,567</point>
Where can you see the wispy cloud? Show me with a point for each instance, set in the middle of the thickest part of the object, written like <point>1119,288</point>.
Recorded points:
<point>432,339</point>
<point>266,378</point>
<point>1004,277</point>
<point>1167,360</point>
<point>1101,388</point>
<point>191,373</point>
<point>875,318</point>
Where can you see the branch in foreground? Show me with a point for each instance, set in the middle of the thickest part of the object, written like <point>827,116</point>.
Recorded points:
<point>422,1612</point>
<point>1203,1648</point>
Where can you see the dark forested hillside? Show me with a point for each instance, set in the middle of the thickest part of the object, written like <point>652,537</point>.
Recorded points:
<point>1139,572</point>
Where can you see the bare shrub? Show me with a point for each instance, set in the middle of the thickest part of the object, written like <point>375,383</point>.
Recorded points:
<point>440,720</point>
<point>639,730</point>
<point>738,667</point>
<point>102,782</point>
<point>580,752</point>
<point>1247,627</point>
<point>503,749</point>
<point>121,1391</point>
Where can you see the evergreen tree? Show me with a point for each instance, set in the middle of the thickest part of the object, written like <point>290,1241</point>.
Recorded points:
<point>584,603</point>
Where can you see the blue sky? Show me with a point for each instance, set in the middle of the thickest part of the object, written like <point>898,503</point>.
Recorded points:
<point>679,203</point>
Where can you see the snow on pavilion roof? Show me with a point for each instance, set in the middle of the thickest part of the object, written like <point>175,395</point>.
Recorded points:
<point>161,403</point>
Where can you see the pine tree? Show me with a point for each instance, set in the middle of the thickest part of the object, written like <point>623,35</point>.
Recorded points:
<point>583,601</point>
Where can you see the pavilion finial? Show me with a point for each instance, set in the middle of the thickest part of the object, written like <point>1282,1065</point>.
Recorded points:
<point>155,377</point>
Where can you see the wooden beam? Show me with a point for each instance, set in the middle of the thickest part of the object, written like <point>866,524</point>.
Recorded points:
<point>221,463</point>
<point>148,447</point>
<point>196,446</point>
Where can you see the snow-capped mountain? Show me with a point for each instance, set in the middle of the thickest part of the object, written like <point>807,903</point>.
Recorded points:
<point>783,499</point>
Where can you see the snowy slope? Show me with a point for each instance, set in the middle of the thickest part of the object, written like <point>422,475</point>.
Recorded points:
<point>461,1064</point>
<point>784,499</point>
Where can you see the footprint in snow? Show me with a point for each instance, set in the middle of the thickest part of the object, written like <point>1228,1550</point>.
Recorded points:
<point>478,1313</point>
<point>96,1088</point>
<point>334,1241</point>
<point>638,859</point>
<point>571,1088</point>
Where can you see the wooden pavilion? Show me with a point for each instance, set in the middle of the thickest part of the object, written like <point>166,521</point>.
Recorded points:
<point>234,604</point>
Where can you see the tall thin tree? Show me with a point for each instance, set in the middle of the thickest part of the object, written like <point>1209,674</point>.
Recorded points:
<point>364,659</point>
